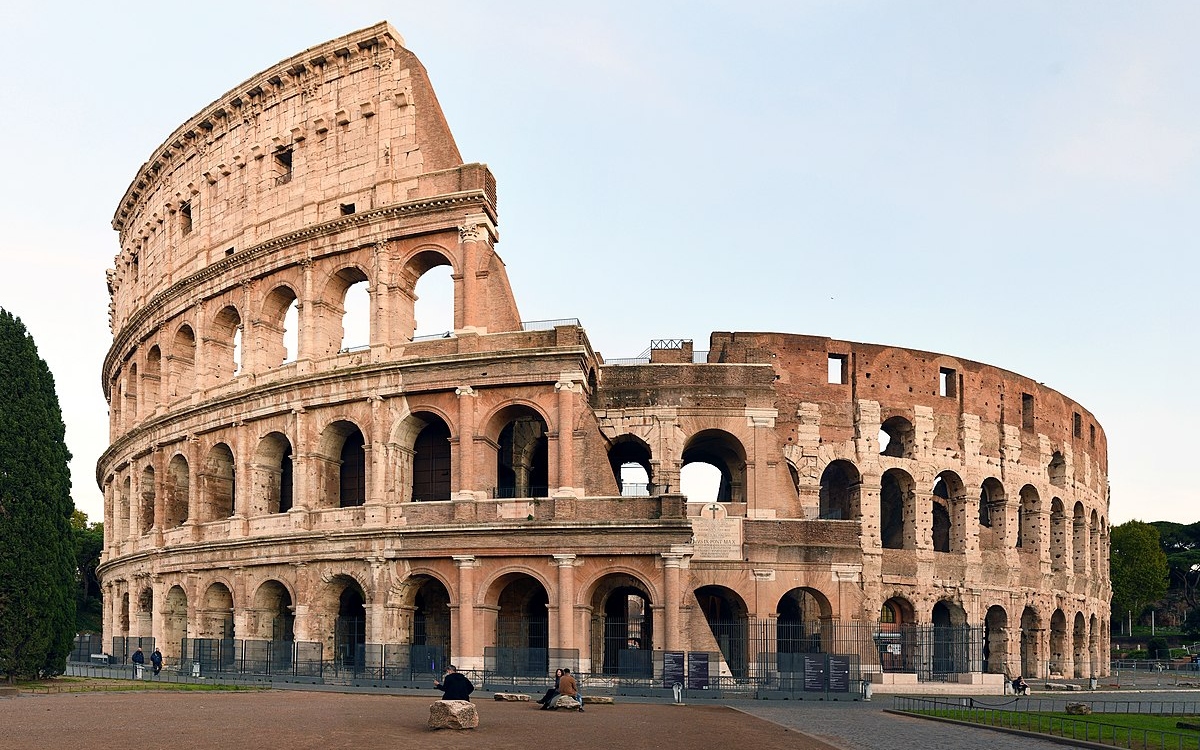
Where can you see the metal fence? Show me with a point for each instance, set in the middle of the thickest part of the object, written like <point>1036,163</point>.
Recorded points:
<point>1092,729</point>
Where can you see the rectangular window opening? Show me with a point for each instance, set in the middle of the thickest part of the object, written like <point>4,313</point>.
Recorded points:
<point>185,217</point>
<point>1077,425</point>
<point>1091,436</point>
<point>1026,411</point>
<point>838,369</point>
<point>947,382</point>
<point>347,209</point>
<point>229,251</point>
<point>283,166</point>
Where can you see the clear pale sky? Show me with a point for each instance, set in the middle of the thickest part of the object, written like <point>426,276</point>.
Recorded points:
<point>1012,183</point>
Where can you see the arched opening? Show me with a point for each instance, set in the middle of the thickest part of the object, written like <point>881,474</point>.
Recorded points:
<point>433,306</point>
<point>430,644</point>
<point>952,647</point>
<point>723,452</point>
<point>522,627</point>
<point>1058,644</point>
<point>1079,541</point>
<point>183,362</point>
<point>802,615</point>
<point>178,492</point>
<point>840,485</point>
<point>125,513</point>
<point>1080,642</point>
<point>941,516</point>
<point>727,618</point>
<point>895,642</point>
<point>174,631</point>
<point>356,315</point>
<point>896,522</point>
<point>1094,542</point>
<point>1028,525</point>
<point>991,514</point>
<point>274,479</point>
<point>131,392</point>
<point>146,504</point>
<point>1058,535</point>
<point>151,378</point>
<point>897,438</point>
<point>622,627</point>
<point>217,497</point>
<point>522,463</point>
<point>995,646</point>
<point>343,465</point>
<point>949,513</point>
<point>1057,470</point>
<point>223,345</point>
<point>431,460</point>
<point>350,628</point>
<point>279,328</point>
<point>629,457</point>
<point>273,621</point>
<point>1031,646</point>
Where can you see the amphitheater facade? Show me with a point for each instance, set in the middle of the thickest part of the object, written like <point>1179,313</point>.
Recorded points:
<point>502,488</point>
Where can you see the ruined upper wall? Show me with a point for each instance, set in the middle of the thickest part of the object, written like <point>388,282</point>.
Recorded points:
<point>900,380</point>
<point>345,126</point>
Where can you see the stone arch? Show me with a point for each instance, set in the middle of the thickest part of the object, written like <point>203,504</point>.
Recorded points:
<point>897,438</point>
<point>223,345</point>
<point>952,647</point>
<point>131,392</point>
<point>1079,644</point>
<point>178,492</point>
<point>341,465</point>
<point>841,491</point>
<point>992,519</point>
<point>424,441</point>
<point>726,454</point>
<point>146,489</point>
<point>629,457</point>
<point>1079,540</point>
<point>1029,527</point>
<point>803,615</point>
<point>339,618</point>
<point>522,625</point>
<point>431,273</point>
<point>218,484</point>
<point>183,361</point>
<point>152,378</point>
<point>279,306</point>
<point>728,620</point>
<point>1094,543</point>
<point>1031,642</point>
<point>1058,535</point>
<point>429,633</point>
<point>995,646</point>
<point>331,334</point>
<point>273,476</point>
<point>215,618</point>
<point>174,622</point>
<point>1056,470</point>
<point>622,625</point>
<point>125,514</point>
<point>896,644</point>
<point>522,466</point>
<point>272,615</point>
<point>897,510</point>
<point>948,513</point>
<point>1059,644</point>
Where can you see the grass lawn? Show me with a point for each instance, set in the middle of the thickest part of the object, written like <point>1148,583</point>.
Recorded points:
<point>1124,730</point>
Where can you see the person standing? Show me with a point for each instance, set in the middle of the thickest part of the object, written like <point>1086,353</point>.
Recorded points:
<point>455,686</point>
<point>139,662</point>
<point>156,661</point>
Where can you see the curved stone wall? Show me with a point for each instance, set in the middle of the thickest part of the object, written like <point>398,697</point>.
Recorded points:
<point>501,486</point>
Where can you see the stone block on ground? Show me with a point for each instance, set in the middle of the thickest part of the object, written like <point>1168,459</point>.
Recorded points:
<point>1079,709</point>
<point>453,715</point>
<point>511,697</point>
<point>567,702</point>
<point>598,699</point>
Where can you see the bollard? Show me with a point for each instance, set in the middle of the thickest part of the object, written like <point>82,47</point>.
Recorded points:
<point>866,690</point>
<point>677,688</point>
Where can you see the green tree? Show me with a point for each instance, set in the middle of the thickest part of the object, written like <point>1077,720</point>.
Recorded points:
<point>37,550</point>
<point>1138,568</point>
<point>89,543</point>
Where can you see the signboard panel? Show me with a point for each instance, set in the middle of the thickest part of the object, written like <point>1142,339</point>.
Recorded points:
<point>672,668</point>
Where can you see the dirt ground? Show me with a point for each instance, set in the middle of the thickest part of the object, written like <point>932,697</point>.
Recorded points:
<point>327,721</point>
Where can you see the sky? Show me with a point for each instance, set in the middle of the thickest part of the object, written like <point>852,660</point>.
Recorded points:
<point>1006,182</point>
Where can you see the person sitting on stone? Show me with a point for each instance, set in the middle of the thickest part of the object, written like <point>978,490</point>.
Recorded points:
<point>568,687</point>
<point>1020,687</point>
<point>455,686</point>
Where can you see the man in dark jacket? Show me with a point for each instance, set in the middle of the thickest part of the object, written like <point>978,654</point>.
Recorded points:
<point>455,686</point>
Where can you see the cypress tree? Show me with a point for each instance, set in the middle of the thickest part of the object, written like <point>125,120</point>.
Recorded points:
<point>37,555</point>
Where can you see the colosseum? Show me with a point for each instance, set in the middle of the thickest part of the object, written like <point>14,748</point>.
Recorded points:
<point>781,512</point>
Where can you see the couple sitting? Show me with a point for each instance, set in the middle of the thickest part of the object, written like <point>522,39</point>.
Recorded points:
<point>564,684</point>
